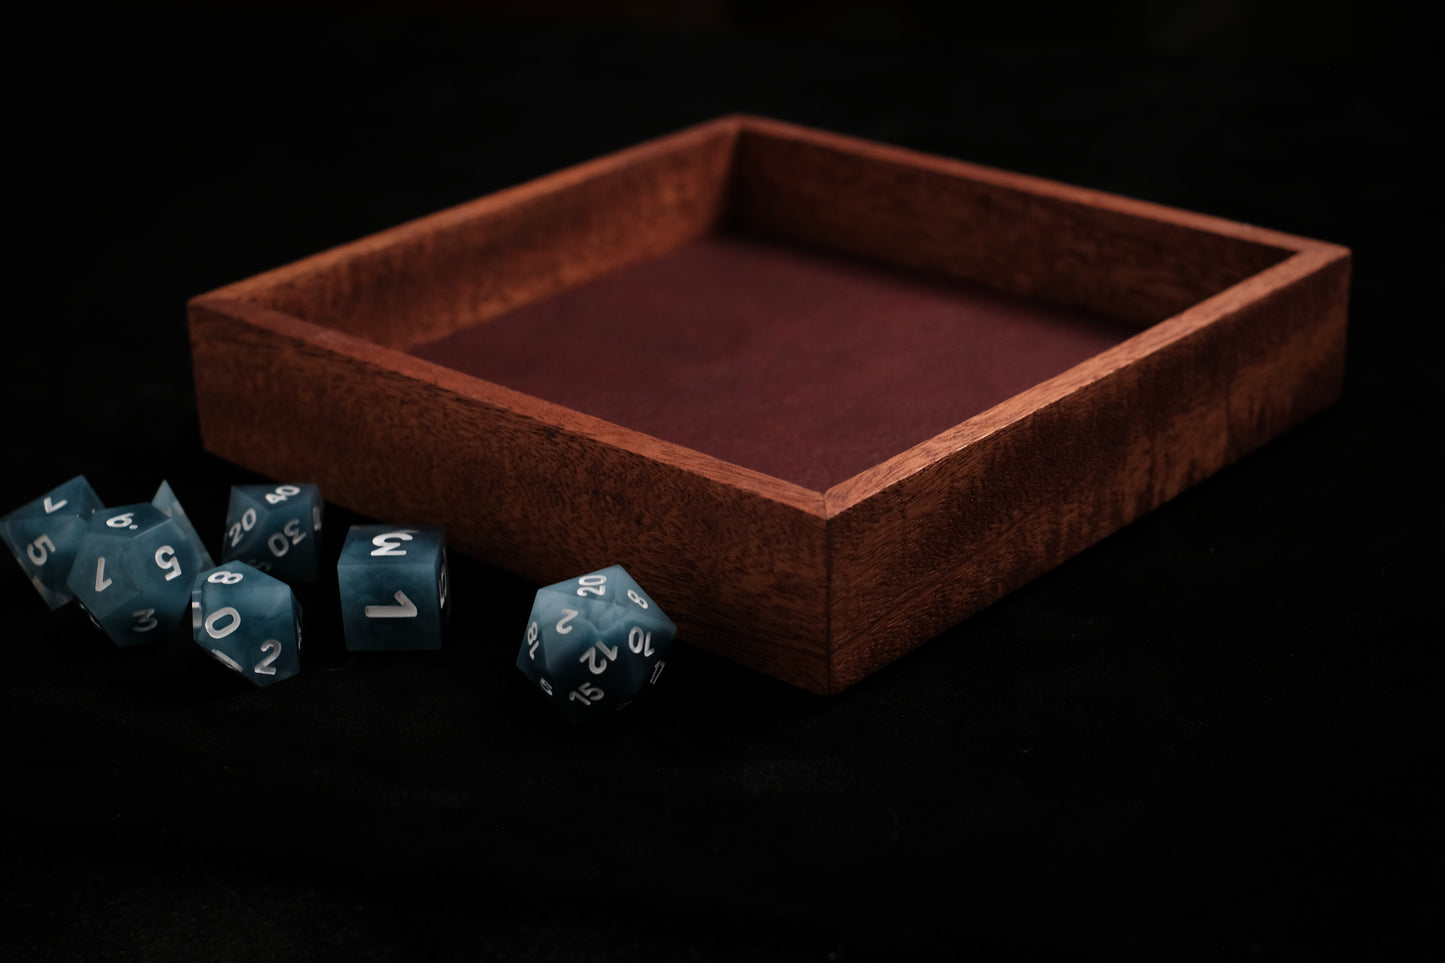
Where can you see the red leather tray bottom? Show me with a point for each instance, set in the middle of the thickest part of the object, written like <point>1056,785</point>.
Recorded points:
<point>807,366</point>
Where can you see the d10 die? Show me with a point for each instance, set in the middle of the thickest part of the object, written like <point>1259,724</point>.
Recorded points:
<point>595,643</point>
<point>274,528</point>
<point>249,621</point>
<point>393,583</point>
<point>133,571</point>
<point>44,534</point>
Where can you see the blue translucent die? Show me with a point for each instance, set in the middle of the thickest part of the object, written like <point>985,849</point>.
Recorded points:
<point>248,621</point>
<point>393,582</point>
<point>275,528</point>
<point>165,499</point>
<point>44,534</point>
<point>133,571</point>
<point>595,643</point>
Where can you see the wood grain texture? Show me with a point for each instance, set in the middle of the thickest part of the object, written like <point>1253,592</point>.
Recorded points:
<point>1241,334</point>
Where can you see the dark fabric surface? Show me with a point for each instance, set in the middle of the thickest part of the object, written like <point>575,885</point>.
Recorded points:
<point>1216,734</point>
<point>807,366</point>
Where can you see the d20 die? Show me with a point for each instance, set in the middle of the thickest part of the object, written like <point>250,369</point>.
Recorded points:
<point>44,534</point>
<point>274,528</point>
<point>393,583</point>
<point>595,643</point>
<point>132,572</point>
<point>249,621</point>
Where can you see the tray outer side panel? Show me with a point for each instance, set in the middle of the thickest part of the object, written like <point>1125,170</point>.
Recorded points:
<point>944,530</point>
<point>401,440</point>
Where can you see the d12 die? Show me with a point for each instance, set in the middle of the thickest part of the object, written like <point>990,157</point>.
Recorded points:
<point>44,534</point>
<point>393,583</point>
<point>133,571</point>
<point>249,621</point>
<point>274,528</point>
<point>595,643</point>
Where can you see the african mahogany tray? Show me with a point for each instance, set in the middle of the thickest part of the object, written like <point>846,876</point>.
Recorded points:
<point>824,398</point>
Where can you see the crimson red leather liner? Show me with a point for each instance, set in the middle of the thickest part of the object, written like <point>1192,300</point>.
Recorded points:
<point>805,365</point>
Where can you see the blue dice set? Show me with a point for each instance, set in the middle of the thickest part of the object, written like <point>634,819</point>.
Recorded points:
<point>592,644</point>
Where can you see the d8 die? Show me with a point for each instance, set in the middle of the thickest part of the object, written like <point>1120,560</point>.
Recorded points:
<point>249,621</point>
<point>133,571</point>
<point>595,643</point>
<point>274,528</point>
<point>393,583</point>
<point>44,534</point>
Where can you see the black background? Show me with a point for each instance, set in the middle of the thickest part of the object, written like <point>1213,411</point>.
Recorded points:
<point>1216,734</point>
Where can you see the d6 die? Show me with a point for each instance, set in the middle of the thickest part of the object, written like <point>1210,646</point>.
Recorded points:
<point>595,643</point>
<point>393,583</point>
<point>249,621</point>
<point>274,528</point>
<point>133,571</point>
<point>44,534</point>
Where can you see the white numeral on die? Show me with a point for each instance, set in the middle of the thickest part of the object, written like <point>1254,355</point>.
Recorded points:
<point>639,641</point>
<point>37,550</point>
<point>389,543</point>
<point>586,693</point>
<point>281,494</point>
<point>167,562</point>
<point>226,660</point>
<point>247,522</point>
<point>233,622</point>
<point>593,657</point>
<point>404,608</point>
<point>272,648</point>
<point>278,543</point>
